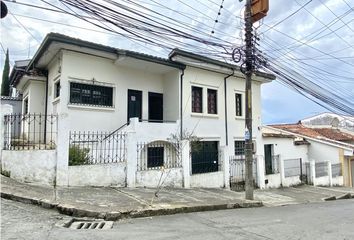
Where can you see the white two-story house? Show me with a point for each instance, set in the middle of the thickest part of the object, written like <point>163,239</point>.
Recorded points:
<point>93,88</point>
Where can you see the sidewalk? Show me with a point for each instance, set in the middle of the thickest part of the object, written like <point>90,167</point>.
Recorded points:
<point>115,203</point>
<point>302,194</point>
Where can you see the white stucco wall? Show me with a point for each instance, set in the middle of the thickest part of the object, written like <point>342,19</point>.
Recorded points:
<point>171,100</point>
<point>286,149</point>
<point>98,175</point>
<point>321,152</point>
<point>322,181</point>
<point>208,180</point>
<point>36,166</point>
<point>152,178</point>
<point>291,181</point>
<point>274,180</point>
<point>338,181</point>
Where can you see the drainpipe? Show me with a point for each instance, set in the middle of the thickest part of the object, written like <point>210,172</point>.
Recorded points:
<point>225,95</point>
<point>181,104</point>
<point>46,107</point>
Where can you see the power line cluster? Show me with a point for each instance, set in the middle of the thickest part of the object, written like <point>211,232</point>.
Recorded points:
<point>130,19</point>
<point>147,23</point>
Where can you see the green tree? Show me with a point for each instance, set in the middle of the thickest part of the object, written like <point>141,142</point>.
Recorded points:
<point>5,84</point>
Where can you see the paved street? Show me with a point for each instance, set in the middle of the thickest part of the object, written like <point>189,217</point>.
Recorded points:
<point>326,220</point>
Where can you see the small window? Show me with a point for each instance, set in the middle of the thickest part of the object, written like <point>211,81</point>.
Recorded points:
<point>238,104</point>
<point>155,157</point>
<point>239,148</point>
<point>212,101</point>
<point>25,106</point>
<point>57,89</point>
<point>91,94</point>
<point>197,99</point>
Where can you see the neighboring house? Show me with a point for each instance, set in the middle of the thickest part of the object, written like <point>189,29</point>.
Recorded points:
<point>14,102</point>
<point>127,118</point>
<point>317,155</point>
<point>331,120</point>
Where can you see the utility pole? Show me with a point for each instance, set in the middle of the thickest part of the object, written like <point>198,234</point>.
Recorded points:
<point>248,124</point>
<point>254,11</point>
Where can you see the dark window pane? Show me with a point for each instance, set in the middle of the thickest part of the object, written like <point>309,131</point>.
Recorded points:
<point>197,99</point>
<point>25,107</point>
<point>212,101</point>
<point>155,157</point>
<point>57,89</point>
<point>238,104</point>
<point>91,94</point>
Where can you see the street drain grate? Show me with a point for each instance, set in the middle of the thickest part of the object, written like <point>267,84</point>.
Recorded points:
<point>89,224</point>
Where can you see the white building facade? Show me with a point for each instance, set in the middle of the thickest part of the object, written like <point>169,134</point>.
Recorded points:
<point>128,119</point>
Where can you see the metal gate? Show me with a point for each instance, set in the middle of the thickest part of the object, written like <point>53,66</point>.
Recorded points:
<point>238,172</point>
<point>296,167</point>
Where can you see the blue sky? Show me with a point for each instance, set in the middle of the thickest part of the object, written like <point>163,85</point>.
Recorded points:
<point>25,27</point>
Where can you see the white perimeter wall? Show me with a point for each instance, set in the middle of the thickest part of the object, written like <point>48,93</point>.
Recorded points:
<point>98,175</point>
<point>36,166</point>
<point>208,180</point>
<point>152,178</point>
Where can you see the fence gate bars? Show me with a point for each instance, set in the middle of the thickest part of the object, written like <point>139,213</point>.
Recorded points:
<point>238,172</point>
<point>158,155</point>
<point>87,148</point>
<point>30,131</point>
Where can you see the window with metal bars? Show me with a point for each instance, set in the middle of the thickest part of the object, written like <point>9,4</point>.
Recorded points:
<point>212,101</point>
<point>238,102</point>
<point>239,148</point>
<point>197,99</point>
<point>91,94</point>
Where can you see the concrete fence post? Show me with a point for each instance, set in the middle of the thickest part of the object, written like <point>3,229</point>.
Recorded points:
<point>282,171</point>
<point>185,158</point>
<point>5,109</point>
<point>62,158</point>
<point>132,159</point>
<point>329,168</point>
<point>226,165</point>
<point>261,172</point>
<point>313,171</point>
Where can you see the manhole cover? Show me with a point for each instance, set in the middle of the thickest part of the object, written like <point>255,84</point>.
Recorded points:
<point>88,224</point>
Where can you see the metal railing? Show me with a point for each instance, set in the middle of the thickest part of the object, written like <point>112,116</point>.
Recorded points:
<point>158,155</point>
<point>273,166</point>
<point>30,131</point>
<point>293,167</point>
<point>337,169</point>
<point>321,169</point>
<point>238,172</point>
<point>87,148</point>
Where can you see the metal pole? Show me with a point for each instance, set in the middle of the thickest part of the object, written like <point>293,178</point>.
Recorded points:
<point>248,102</point>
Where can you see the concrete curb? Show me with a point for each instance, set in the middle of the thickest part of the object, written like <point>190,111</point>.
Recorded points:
<point>114,216</point>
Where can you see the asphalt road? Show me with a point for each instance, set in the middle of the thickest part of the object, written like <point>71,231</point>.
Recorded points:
<point>327,220</point>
